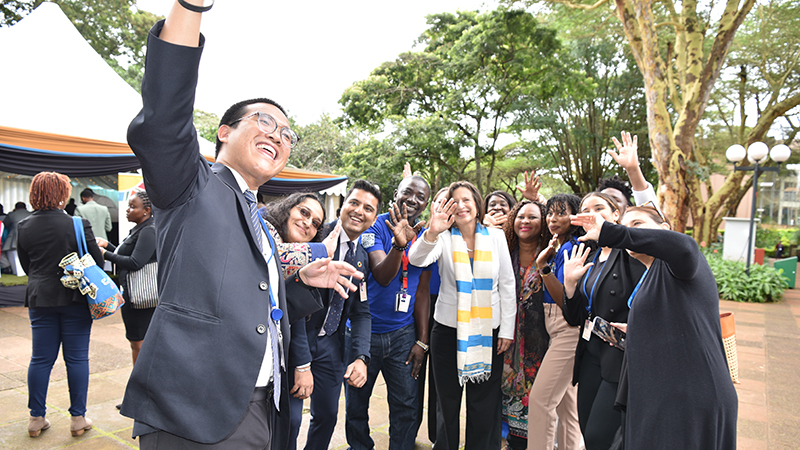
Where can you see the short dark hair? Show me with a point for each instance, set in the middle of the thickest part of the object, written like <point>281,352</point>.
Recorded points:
<point>21,205</point>
<point>508,198</point>
<point>49,190</point>
<point>366,186</point>
<point>144,197</point>
<point>616,182</point>
<point>277,212</point>
<point>561,203</point>
<point>87,193</point>
<point>476,195</point>
<point>237,110</point>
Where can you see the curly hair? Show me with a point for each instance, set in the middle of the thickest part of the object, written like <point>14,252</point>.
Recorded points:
<point>277,213</point>
<point>49,190</point>
<point>508,227</point>
<point>563,203</point>
<point>616,182</point>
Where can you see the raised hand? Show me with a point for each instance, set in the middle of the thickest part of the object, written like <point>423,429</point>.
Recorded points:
<point>407,170</point>
<point>547,253</point>
<point>628,156</point>
<point>575,264</point>
<point>401,228</point>
<point>442,218</point>
<point>591,222</point>
<point>328,274</point>
<point>532,186</point>
<point>332,240</point>
<point>495,219</point>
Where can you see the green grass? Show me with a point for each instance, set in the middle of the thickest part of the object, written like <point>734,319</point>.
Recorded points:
<point>13,280</point>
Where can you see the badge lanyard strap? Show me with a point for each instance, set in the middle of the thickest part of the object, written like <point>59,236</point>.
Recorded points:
<point>636,289</point>
<point>276,312</point>
<point>586,277</point>
<point>404,273</point>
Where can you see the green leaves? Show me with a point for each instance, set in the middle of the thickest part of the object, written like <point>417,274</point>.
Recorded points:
<point>764,284</point>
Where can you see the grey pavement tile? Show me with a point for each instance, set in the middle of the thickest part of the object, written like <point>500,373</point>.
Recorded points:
<point>752,429</point>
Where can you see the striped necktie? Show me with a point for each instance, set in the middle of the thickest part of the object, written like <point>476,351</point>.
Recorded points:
<point>273,329</point>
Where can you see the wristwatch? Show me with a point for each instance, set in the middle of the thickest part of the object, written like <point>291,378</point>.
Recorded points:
<point>364,358</point>
<point>546,270</point>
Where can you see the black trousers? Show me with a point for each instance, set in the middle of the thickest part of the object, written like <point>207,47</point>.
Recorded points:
<point>484,400</point>
<point>253,432</point>
<point>598,419</point>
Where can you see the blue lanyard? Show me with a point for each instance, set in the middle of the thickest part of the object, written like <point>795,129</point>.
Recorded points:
<point>636,289</point>
<point>586,277</point>
<point>276,312</point>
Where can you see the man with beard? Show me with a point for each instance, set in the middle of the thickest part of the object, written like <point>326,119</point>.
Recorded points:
<point>399,320</point>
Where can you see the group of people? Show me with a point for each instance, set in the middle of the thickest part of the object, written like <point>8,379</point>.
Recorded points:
<point>260,309</point>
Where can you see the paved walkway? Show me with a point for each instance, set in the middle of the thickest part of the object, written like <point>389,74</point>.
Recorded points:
<point>768,337</point>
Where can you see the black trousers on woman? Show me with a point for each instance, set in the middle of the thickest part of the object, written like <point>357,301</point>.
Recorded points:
<point>484,400</point>
<point>598,419</point>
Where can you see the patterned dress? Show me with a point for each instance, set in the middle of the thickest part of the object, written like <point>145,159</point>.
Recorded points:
<point>522,359</point>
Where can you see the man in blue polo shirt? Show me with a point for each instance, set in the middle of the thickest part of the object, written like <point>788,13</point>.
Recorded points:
<point>399,320</point>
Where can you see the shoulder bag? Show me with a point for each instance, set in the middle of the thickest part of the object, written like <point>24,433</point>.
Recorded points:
<point>143,286</point>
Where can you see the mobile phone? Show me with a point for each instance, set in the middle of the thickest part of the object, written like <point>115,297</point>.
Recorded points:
<point>609,333</point>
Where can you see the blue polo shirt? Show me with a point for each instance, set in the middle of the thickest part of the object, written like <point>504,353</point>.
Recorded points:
<point>382,299</point>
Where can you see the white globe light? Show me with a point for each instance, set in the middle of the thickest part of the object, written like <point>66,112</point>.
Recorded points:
<point>780,153</point>
<point>735,153</point>
<point>760,161</point>
<point>757,151</point>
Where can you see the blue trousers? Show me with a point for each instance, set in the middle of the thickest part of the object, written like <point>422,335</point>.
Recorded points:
<point>68,328</point>
<point>328,371</point>
<point>388,354</point>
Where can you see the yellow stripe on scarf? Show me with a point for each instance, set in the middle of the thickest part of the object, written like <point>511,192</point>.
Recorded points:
<point>475,313</point>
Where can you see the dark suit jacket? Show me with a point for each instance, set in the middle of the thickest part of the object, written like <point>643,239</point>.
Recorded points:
<point>354,309</point>
<point>201,357</point>
<point>45,237</point>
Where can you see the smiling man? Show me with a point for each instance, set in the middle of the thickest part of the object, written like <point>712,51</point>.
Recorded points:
<point>212,369</point>
<point>322,350</point>
<point>400,317</point>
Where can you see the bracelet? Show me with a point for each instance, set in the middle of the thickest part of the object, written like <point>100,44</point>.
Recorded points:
<point>428,242</point>
<point>400,249</point>
<point>424,346</point>
<point>302,370</point>
<point>195,8</point>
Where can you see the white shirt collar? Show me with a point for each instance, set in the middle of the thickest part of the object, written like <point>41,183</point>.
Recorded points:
<point>240,181</point>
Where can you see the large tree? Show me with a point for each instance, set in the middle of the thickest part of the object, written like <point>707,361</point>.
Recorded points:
<point>465,84</point>
<point>115,29</point>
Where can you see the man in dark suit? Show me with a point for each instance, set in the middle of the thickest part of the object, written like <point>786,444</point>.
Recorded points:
<point>321,355</point>
<point>212,369</point>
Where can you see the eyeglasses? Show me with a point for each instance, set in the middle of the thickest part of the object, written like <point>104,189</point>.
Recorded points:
<point>306,213</point>
<point>268,124</point>
<point>652,204</point>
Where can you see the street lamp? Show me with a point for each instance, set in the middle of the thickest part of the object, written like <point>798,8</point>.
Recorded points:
<point>757,153</point>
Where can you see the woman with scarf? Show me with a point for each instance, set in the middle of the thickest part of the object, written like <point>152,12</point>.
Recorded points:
<point>474,317</point>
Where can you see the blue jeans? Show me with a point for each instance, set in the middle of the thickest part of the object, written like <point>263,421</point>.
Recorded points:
<point>61,326</point>
<point>388,354</point>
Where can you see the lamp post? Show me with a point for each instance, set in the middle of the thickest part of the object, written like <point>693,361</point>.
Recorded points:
<point>757,153</point>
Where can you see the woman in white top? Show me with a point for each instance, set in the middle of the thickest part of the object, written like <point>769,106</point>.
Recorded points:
<point>474,318</point>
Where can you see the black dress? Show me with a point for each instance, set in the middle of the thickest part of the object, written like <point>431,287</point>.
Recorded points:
<point>680,393</point>
<point>138,249</point>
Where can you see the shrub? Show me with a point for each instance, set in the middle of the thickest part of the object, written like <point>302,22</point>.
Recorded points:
<point>765,284</point>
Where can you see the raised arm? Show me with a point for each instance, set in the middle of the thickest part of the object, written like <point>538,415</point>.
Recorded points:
<point>182,26</point>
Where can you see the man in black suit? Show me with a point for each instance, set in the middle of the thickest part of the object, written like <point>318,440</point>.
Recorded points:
<point>212,369</point>
<point>323,355</point>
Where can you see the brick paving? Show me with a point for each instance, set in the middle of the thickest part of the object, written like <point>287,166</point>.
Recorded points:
<point>768,338</point>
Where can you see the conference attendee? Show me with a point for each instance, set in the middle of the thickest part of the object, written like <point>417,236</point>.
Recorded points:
<point>399,338</point>
<point>136,251</point>
<point>113,211</point>
<point>673,348</point>
<point>497,205</point>
<point>212,368</point>
<point>70,208</point>
<point>322,354</point>
<point>525,234</point>
<point>553,398</point>
<point>600,288</point>
<point>467,348</point>
<point>627,157</point>
<point>95,213</point>
<point>10,259</point>
<point>60,317</point>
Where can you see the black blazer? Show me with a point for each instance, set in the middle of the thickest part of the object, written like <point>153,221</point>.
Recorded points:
<point>201,357</point>
<point>618,277</point>
<point>354,309</point>
<point>138,249</point>
<point>44,238</point>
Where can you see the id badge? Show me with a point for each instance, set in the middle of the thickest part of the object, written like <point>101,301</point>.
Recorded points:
<point>588,326</point>
<point>363,291</point>
<point>402,301</point>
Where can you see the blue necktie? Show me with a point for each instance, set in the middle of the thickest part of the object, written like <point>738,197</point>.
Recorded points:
<point>337,302</point>
<point>273,329</point>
